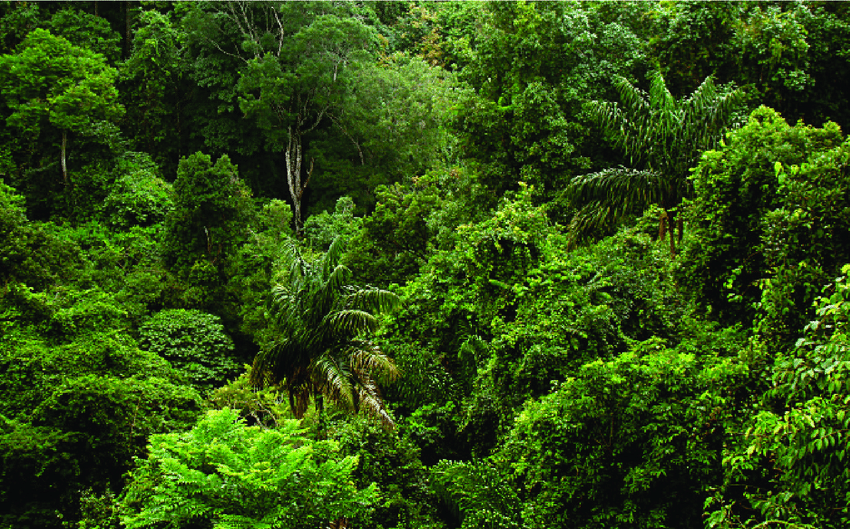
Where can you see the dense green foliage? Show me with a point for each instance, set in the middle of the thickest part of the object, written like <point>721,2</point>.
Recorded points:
<point>405,264</point>
<point>801,427</point>
<point>194,342</point>
<point>227,475</point>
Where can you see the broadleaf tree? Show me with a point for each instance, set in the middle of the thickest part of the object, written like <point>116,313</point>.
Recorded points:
<point>50,84</point>
<point>294,70</point>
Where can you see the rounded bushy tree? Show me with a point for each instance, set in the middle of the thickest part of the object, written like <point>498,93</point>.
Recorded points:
<point>194,342</point>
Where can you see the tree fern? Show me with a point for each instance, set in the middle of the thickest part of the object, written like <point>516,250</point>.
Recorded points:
<point>226,475</point>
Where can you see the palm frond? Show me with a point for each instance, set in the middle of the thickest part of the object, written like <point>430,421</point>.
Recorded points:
<point>349,322</point>
<point>622,188</point>
<point>662,136</point>
<point>609,197</point>
<point>365,366</point>
<point>282,360</point>
<point>261,375</point>
<point>324,293</point>
<point>338,277</point>
<point>660,97</point>
<point>634,99</point>
<point>365,357</point>
<point>371,403</point>
<point>373,299</point>
<point>332,377</point>
<point>332,257</point>
<point>708,113</point>
<point>285,302</point>
<point>292,260</point>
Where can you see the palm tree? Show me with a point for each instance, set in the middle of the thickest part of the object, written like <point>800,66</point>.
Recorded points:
<point>322,329</point>
<point>663,138</point>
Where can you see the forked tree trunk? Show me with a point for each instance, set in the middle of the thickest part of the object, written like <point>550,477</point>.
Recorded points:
<point>294,156</point>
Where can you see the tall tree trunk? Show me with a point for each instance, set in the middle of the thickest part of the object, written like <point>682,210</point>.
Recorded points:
<point>128,29</point>
<point>681,225</point>
<point>671,224</point>
<point>64,164</point>
<point>293,177</point>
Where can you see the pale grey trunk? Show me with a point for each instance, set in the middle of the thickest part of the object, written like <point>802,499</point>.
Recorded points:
<point>293,178</point>
<point>64,164</point>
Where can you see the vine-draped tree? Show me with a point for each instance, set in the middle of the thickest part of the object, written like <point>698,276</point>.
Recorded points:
<point>320,338</point>
<point>663,138</point>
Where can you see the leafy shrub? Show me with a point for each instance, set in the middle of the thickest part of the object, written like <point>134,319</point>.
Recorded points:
<point>256,263</point>
<point>264,407</point>
<point>74,413</point>
<point>392,462</point>
<point>29,253</point>
<point>320,230</point>
<point>203,232</point>
<point>480,493</point>
<point>393,241</point>
<point>138,198</point>
<point>194,342</point>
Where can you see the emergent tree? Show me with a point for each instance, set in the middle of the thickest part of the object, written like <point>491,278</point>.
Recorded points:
<point>294,69</point>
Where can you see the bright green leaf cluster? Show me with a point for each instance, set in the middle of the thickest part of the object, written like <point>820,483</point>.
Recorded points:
<point>228,475</point>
